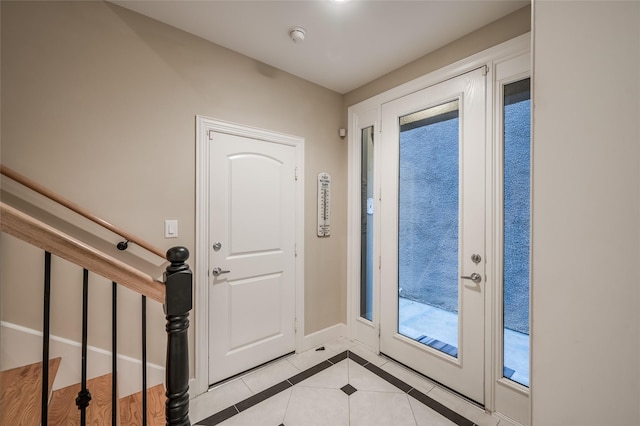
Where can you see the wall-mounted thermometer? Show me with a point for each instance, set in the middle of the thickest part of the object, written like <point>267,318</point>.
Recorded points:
<point>324,205</point>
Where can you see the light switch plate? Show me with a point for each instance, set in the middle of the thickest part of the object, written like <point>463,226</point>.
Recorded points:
<point>171,228</point>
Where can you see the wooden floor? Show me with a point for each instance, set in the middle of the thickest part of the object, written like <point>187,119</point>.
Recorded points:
<point>131,407</point>
<point>21,393</point>
<point>20,400</point>
<point>63,409</point>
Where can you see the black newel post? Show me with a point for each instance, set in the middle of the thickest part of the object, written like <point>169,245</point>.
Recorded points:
<point>178,280</point>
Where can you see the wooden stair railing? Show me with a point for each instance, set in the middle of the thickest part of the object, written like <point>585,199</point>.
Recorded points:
<point>24,227</point>
<point>42,190</point>
<point>175,293</point>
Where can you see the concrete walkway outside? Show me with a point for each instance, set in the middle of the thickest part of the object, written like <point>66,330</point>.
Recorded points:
<point>419,319</point>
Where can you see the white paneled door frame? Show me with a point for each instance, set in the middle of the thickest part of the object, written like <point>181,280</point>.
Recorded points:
<point>204,126</point>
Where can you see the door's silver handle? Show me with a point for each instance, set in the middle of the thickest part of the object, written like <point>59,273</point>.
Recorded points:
<point>217,271</point>
<point>475,277</point>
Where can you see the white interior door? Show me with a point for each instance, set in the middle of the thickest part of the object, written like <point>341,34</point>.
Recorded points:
<point>251,253</point>
<point>433,231</point>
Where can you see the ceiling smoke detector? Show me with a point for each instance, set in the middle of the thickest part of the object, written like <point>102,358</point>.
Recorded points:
<point>297,34</point>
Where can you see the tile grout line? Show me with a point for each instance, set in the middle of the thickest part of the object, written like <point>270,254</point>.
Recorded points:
<point>284,416</point>
<point>348,396</point>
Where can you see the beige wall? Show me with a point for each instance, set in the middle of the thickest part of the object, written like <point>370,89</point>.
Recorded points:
<point>99,104</point>
<point>586,214</point>
<point>510,26</point>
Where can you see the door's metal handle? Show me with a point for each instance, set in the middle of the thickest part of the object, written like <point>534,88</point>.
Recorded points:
<point>217,271</point>
<point>475,277</point>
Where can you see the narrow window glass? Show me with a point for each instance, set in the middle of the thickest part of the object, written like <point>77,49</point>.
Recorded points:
<point>366,220</point>
<point>517,230</point>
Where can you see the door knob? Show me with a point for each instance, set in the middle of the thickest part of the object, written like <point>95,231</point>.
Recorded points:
<point>475,277</point>
<point>217,271</point>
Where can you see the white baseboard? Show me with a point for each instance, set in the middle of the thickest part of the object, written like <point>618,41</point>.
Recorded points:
<point>323,336</point>
<point>22,346</point>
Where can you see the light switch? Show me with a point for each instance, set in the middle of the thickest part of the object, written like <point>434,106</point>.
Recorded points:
<point>171,229</point>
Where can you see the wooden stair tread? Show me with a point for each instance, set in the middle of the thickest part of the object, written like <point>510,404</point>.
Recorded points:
<point>21,393</point>
<point>131,407</point>
<point>63,409</point>
<point>20,400</point>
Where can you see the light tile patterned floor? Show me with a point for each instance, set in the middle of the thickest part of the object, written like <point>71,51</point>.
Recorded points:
<point>316,396</point>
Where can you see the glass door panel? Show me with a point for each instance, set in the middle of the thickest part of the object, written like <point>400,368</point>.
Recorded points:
<point>516,236</point>
<point>428,227</point>
<point>366,223</point>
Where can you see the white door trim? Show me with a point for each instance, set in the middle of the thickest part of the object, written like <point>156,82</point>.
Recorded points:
<point>465,371</point>
<point>199,384</point>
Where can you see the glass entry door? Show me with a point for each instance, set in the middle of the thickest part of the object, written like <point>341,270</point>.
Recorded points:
<point>433,230</point>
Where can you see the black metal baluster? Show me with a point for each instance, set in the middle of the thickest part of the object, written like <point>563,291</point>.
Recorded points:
<point>46,331</point>
<point>144,360</point>
<point>178,303</point>
<point>84,396</point>
<point>114,353</point>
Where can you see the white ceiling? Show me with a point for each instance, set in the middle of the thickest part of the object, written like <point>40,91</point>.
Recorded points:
<point>348,43</point>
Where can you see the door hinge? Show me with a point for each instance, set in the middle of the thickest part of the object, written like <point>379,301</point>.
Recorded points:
<point>296,174</point>
<point>379,262</point>
<point>485,70</point>
<point>210,132</point>
<point>295,250</point>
